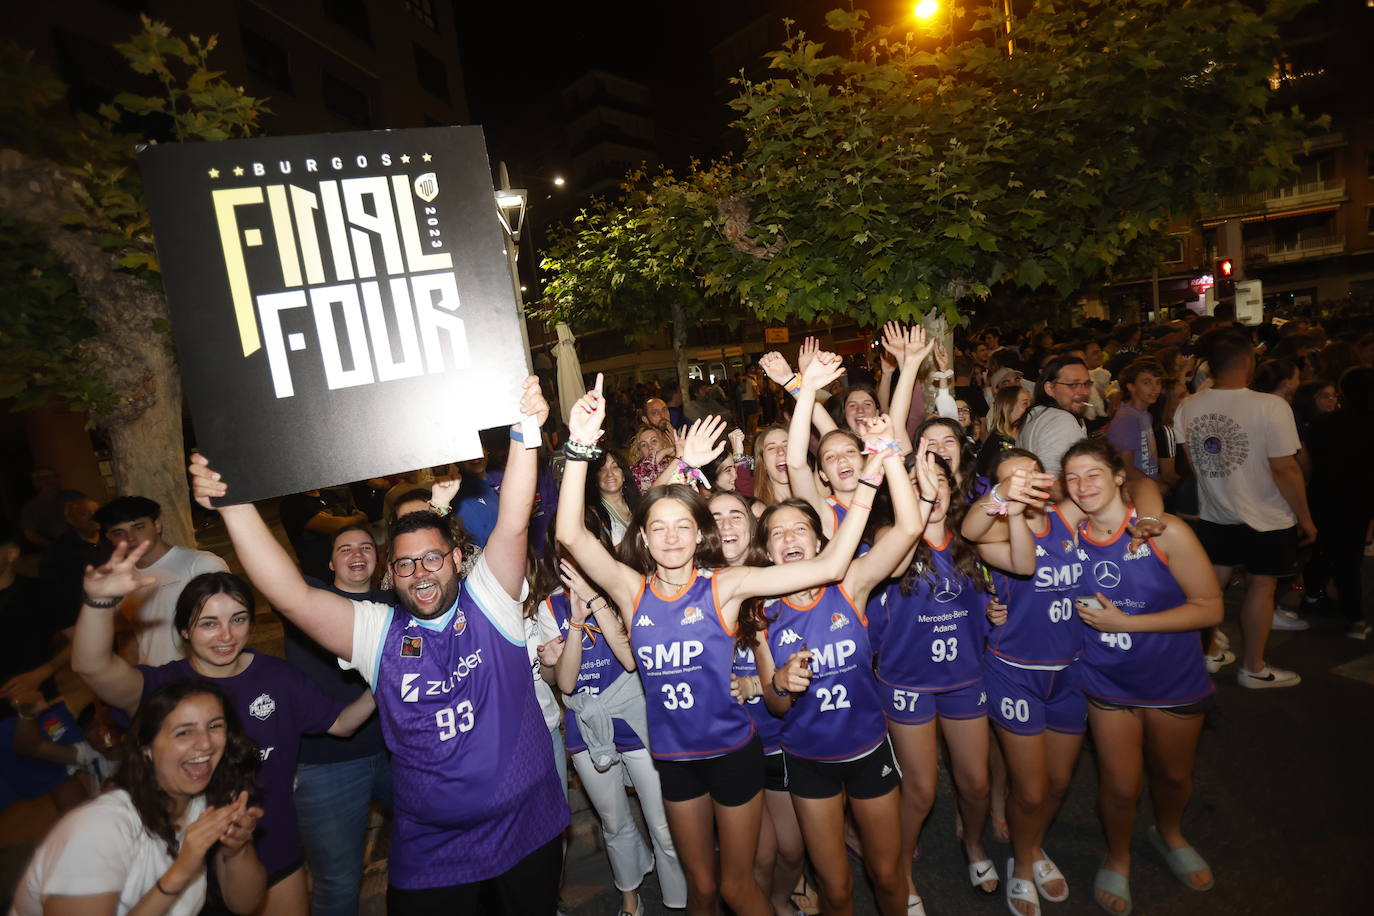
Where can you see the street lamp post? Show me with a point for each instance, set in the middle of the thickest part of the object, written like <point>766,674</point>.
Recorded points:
<point>510,206</point>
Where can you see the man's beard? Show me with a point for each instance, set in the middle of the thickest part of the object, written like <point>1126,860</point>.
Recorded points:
<point>446,599</point>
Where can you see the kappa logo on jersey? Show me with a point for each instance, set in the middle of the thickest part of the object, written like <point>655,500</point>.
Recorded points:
<point>838,620</point>
<point>1040,551</point>
<point>409,691</point>
<point>788,637</point>
<point>692,615</point>
<point>1082,554</point>
<point>412,622</point>
<point>982,697</point>
<point>412,646</point>
<point>948,590</point>
<point>262,707</point>
<point>460,622</point>
<point>1107,574</point>
<point>642,620</point>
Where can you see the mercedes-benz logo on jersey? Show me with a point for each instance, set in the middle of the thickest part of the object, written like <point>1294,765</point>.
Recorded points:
<point>1107,574</point>
<point>948,590</point>
<point>410,691</point>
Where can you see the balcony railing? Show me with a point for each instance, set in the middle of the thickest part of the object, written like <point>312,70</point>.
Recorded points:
<point>1282,252</point>
<point>1286,198</point>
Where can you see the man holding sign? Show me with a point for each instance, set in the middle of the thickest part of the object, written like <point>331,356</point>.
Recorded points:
<point>479,808</point>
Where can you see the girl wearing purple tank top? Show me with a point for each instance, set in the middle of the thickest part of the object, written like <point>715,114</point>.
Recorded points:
<point>671,560</point>
<point>816,662</point>
<point>1033,693</point>
<point>1164,568</point>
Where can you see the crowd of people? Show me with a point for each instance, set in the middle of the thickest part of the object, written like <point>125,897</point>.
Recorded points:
<point>766,619</point>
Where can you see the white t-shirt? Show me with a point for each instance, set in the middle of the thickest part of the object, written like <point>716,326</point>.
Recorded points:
<point>1048,432</point>
<point>371,619</point>
<point>153,607</point>
<point>102,848</point>
<point>539,629</point>
<point>1231,434</point>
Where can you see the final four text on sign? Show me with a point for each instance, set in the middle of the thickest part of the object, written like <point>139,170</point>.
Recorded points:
<point>341,303</point>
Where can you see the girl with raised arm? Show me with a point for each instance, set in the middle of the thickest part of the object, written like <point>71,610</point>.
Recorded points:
<point>815,660</point>
<point>928,630</point>
<point>276,703</point>
<point>681,608</point>
<point>1146,683</point>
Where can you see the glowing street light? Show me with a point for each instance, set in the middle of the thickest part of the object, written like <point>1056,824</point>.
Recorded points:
<point>926,9</point>
<point>558,181</point>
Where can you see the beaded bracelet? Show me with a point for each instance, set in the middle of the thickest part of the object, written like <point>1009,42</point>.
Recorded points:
<point>103,604</point>
<point>579,451</point>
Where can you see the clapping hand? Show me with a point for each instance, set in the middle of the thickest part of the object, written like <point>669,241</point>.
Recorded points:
<point>876,432</point>
<point>550,652</point>
<point>580,591</point>
<point>775,367</point>
<point>697,445</point>
<point>823,369</point>
<point>242,823</point>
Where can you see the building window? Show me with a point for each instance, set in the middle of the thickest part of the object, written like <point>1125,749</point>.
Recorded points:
<point>423,10</point>
<point>1175,249</point>
<point>352,16</point>
<point>266,59</point>
<point>346,102</point>
<point>431,74</point>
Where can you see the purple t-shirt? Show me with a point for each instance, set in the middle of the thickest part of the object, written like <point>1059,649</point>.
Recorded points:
<point>1132,430</point>
<point>276,705</point>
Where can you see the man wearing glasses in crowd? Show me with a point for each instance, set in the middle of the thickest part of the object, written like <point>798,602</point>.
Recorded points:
<point>1055,420</point>
<point>479,808</point>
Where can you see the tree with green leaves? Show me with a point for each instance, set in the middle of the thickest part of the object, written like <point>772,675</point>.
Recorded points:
<point>902,176</point>
<point>83,321</point>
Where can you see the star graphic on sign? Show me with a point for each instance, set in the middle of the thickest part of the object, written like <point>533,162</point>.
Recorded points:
<point>405,158</point>
<point>426,157</point>
<point>238,171</point>
<point>214,173</point>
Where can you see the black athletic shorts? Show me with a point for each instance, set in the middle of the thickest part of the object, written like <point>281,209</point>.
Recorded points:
<point>873,775</point>
<point>774,772</point>
<point>530,886</point>
<point>1262,553</point>
<point>730,779</point>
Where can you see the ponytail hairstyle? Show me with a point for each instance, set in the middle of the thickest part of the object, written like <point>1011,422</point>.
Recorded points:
<point>633,550</point>
<point>236,771</point>
<point>963,553</point>
<point>751,615</point>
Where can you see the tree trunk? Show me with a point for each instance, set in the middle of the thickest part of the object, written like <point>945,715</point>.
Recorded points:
<point>680,349</point>
<point>144,424</point>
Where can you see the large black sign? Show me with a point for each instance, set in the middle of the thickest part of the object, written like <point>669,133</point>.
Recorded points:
<point>342,303</point>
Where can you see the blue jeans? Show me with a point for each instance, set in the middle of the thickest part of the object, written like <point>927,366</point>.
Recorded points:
<point>332,803</point>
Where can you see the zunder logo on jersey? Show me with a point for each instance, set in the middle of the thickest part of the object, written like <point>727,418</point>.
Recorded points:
<point>692,615</point>
<point>410,692</point>
<point>838,620</point>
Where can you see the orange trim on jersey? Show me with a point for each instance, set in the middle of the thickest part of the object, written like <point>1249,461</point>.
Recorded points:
<point>1061,518</point>
<point>820,593</point>
<point>662,597</point>
<point>729,631</point>
<point>863,618</point>
<point>1114,537</point>
<point>639,597</point>
<point>1049,526</point>
<point>949,536</point>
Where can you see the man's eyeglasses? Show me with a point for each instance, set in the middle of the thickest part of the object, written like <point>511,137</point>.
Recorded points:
<point>404,567</point>
<point>1080,386</point>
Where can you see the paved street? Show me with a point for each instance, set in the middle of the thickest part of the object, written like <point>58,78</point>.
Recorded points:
<point>1281,809</point>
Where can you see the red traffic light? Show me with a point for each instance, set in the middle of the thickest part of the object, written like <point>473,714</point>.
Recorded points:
<point>1225,268</point>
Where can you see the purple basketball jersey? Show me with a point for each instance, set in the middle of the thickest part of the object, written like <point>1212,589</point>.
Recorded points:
<point>599,670</point>
<point>768,725</point>
<point>1138,669</point>
<point>840,716</point>
<point>472,767</point>
<point>684,656</point>
<point>1042,629</point>
<point>932,639</point>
